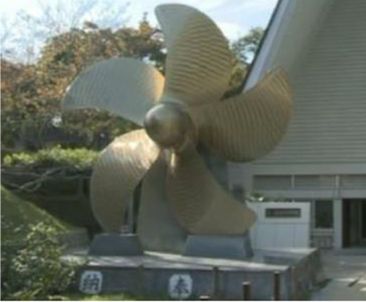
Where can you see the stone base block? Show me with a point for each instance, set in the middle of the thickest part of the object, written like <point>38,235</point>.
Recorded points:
<point>115,245</point>
<point>155,275</point>
<point>225,247</point>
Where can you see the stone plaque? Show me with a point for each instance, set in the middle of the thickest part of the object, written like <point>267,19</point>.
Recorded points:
<point>180,286</point>
<point>91,282</point>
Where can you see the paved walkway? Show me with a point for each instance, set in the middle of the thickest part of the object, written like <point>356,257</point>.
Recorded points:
<point>347,271</point>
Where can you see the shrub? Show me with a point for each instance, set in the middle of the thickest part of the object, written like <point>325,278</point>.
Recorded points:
<point>79,159</point>
<point>36,272</point>
<point>19,215</point>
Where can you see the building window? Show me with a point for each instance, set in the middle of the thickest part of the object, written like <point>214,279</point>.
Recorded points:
<point>323,214</point>
<point>315,182</point>
<point>353,181</point>
<point>238,191</point>
<point>267,182</point>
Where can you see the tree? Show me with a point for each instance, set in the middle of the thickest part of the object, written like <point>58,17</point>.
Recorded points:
<point>35,94</point>
<point>18,91</point>
<point>23,38</point>
<point>29,105</point>
<point>32,91</point>
<point>36,271</point>
<point>245,47</point>
<point>68,54</point>
<point>244,50</point>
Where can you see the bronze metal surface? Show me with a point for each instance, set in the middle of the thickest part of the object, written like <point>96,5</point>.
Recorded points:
<point>248,126</point>
<point>124,86</point>
<point>157,226</point>
<point>170,126</point>
<point>118,171</point>
<point>198,65</point>
<point>199,203</point>
<point>242,128</point>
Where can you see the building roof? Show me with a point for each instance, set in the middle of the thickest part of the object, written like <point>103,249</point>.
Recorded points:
<point>290,29</point>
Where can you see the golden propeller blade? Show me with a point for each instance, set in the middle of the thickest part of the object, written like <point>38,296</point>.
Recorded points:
<point>249,125</point>
<point>117,172</point>
<point>157,227</point>
<point>199,203</point>
<point>198,66</point>
<point>124,86</point>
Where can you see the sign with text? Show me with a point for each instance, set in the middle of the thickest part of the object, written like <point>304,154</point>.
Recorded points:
<point>283,213</point>
<point>91,282</point>
<point>281,225</point>
<point>180,286</point>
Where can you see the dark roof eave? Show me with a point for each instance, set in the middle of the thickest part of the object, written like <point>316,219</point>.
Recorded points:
<point>250,68</point>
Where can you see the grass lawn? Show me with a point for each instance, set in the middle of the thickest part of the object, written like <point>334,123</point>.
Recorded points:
<point>17,215</point>
<point>114,297</point>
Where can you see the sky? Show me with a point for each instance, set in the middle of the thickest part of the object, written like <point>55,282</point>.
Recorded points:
<point>234,17</point>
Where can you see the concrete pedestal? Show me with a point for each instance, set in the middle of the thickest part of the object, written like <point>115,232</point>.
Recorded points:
<point>115,245</point>
<point>150,275</point>
<point>225,247</point>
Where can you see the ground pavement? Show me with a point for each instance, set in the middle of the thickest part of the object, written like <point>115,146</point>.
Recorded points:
<point>346,270</point>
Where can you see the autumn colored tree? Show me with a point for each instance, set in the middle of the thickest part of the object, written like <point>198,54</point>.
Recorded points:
<point>36,89</point>
<point>31,93</point>
<point>18,100</point>
<point>245,47</point>
<point>68,54</point>
<point>243,50</point>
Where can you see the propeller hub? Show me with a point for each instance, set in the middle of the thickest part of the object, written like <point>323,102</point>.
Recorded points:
<point>168,125</point>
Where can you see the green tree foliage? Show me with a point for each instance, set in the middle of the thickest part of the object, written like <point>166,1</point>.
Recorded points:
<point>47,171</point>
<point>18,216</point>
<point>36,271</point>
<point>73,159</point>
<point>243,50</point>
<point>245,47</point>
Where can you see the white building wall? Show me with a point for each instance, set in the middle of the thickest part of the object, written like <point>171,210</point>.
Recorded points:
<point>327,133</point>
<point>280,232</point>
<point>329,120</point>
<point>324,53</point>
<point>284,34</point>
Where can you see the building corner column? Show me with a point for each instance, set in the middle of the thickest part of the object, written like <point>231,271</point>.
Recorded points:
<point>338,223</point>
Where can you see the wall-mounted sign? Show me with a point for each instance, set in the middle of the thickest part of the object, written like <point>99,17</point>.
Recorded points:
<point>180,286</point>
<point>91,282</point>
<point>280,225</point>
<point>283,213</point>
